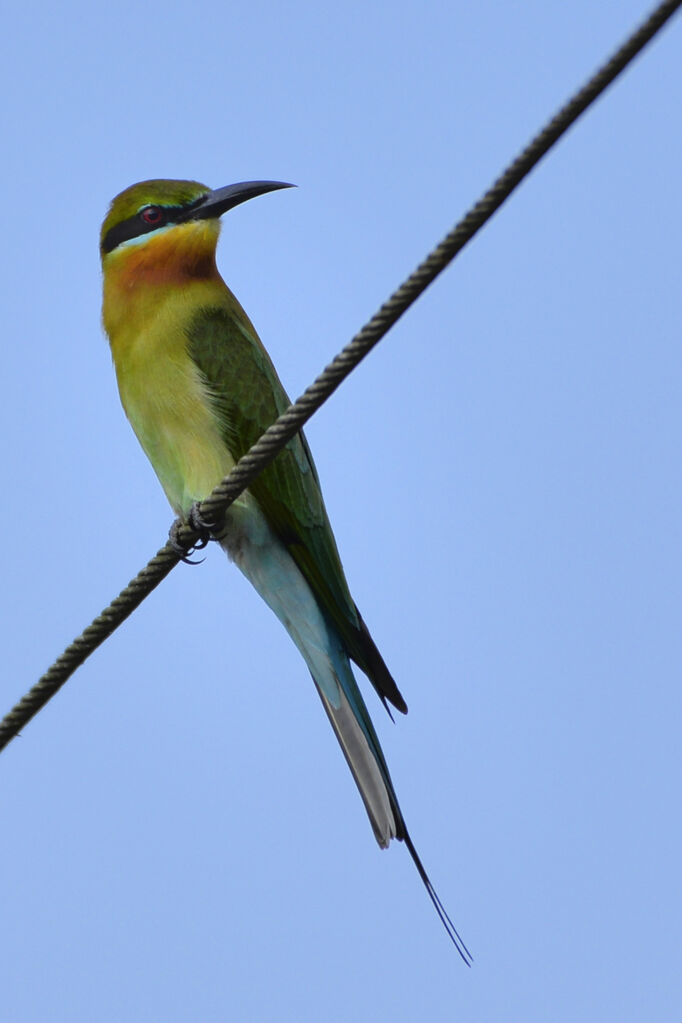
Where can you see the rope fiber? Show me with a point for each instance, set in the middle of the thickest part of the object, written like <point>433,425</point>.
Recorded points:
<point>288,424</point>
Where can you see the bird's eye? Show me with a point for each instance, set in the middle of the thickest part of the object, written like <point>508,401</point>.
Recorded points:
<point>152,215</point>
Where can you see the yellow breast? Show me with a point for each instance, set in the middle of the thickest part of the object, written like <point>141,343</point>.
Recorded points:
<point>171,414</point>
<point>161,391</point>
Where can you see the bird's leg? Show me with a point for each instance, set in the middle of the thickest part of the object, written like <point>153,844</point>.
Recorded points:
<point>180,549</point>
<point>208,526</point>
<point>205,527</point>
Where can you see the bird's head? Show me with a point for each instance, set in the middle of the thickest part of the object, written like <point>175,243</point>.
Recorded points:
<point>170,226</point>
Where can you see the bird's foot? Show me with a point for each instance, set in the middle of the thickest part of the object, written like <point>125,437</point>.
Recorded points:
<point>208,526</point>
<point>180,549</point>
<point>203,526</point>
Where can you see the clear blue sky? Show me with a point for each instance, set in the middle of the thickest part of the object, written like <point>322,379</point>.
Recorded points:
<point>179,835</point>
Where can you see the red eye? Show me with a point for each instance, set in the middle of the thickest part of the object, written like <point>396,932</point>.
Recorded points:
<point>152,215</point>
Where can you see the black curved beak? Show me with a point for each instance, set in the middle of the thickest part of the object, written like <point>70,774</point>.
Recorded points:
<point>223,199</point>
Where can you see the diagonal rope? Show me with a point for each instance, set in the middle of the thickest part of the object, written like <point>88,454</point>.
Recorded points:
<point>288,424</point>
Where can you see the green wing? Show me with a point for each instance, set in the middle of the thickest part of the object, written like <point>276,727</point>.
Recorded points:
<point>248,396</point>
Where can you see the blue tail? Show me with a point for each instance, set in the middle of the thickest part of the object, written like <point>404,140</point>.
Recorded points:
<point>266,562</point>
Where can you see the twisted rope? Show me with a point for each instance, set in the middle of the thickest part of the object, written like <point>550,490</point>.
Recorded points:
<point>291,421</point>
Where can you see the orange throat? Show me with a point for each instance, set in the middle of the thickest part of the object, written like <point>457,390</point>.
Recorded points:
<point>140,280</point>
<point>173,258</point>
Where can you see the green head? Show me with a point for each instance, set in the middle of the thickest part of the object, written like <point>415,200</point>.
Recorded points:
<point>153,206</point>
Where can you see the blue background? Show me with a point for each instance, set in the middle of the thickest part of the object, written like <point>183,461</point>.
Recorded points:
<point>179,835</point>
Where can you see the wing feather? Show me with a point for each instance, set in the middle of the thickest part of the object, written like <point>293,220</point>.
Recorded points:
<point>248,396</point>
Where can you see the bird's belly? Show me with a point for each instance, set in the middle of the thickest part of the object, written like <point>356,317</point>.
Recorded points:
<point>172,417</point>
<point>255,549</point>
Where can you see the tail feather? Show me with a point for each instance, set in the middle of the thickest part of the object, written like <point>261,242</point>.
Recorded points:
<point>447,923</point>
<point>364,768</point>
<point>266,562</point>
<point>357,738</point>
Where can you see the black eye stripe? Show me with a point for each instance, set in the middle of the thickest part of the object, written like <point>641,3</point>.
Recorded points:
<point>136,226</point>
<point>132,228</point>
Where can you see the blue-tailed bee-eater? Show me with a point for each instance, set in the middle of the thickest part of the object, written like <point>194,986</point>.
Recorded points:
<point>199,389</point>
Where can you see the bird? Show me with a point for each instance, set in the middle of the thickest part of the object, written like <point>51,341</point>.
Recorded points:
<point>199,388</point>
